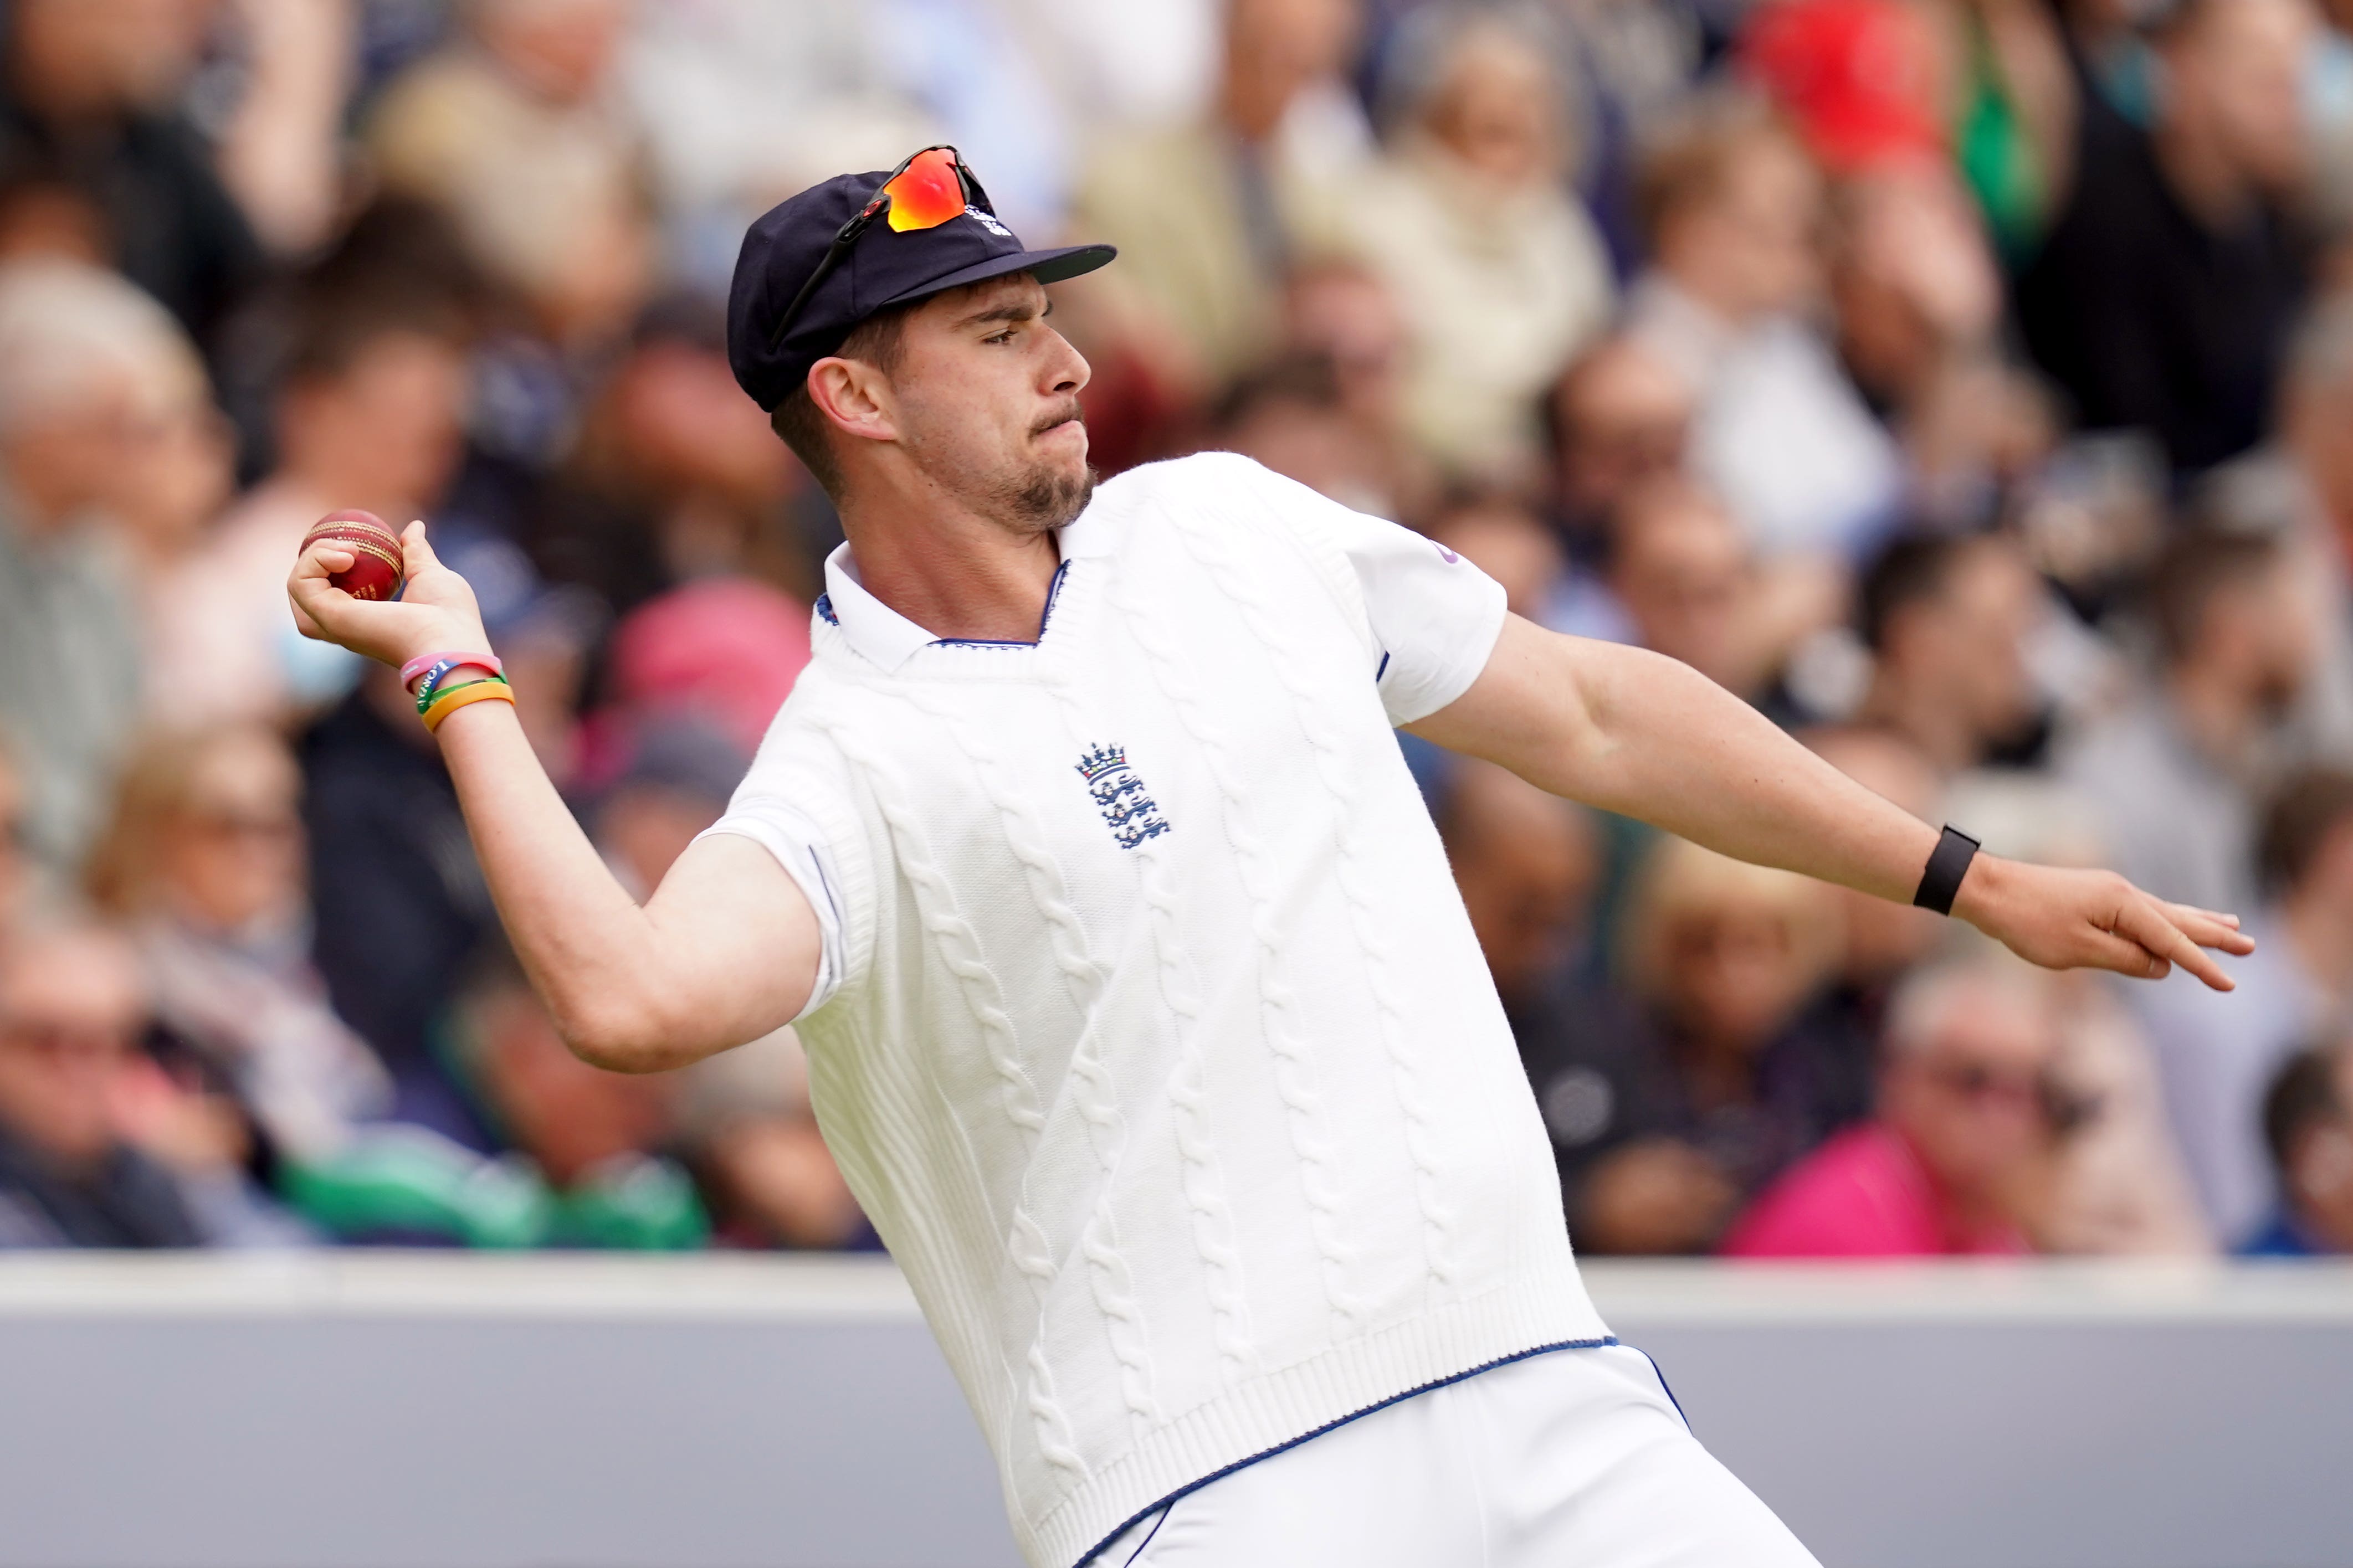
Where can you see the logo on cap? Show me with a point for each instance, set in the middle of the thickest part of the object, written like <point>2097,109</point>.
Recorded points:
<point>987,220</point>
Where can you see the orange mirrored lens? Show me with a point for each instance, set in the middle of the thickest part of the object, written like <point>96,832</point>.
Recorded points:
<point>928,193</point>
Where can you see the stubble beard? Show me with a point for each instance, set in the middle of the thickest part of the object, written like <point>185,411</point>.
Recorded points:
<point>1041,496</point>
<point>1045,502</point>
<point>1024,494</point>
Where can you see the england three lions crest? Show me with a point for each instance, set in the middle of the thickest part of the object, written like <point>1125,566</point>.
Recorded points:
<point>1120,795</point>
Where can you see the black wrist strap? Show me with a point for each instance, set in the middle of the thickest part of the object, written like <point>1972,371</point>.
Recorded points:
<point>1947,867</point>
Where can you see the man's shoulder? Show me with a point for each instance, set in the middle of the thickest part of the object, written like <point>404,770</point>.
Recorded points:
<point>805,722</point>
<point>1204,489</point>
<point>1248,520</point>
<point>1196,475</point>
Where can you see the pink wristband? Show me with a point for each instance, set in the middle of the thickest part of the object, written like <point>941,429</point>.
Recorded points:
<point>424,661</point>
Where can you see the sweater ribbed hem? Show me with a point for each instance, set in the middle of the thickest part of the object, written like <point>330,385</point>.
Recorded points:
<point>1545,1306</point>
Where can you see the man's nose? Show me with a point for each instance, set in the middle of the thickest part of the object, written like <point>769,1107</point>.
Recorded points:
<point>1071,371</point>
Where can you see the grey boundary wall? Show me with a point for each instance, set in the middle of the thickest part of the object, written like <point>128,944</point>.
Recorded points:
<point>438,1411</point>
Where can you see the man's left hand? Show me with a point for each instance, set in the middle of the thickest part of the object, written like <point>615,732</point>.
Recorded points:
<point>2094,920</point>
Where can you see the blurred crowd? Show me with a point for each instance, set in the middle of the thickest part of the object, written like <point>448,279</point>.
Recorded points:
<point>1967,384</point>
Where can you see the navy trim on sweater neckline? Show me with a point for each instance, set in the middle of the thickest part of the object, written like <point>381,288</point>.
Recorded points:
<point>1044,616</point>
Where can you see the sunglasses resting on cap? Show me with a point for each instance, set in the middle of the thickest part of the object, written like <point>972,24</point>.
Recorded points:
<point>816,265</point>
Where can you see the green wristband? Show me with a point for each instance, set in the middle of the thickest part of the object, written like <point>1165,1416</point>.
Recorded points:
<point>433,688</point>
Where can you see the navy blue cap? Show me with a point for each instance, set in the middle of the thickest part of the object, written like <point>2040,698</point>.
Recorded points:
<point>884,268</point>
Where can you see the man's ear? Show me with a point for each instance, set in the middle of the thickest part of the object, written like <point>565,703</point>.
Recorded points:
<point>854,395</point>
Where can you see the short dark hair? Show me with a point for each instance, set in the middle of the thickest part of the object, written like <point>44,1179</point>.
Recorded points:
<point>2306,809</point>
<point>1913,571</point>
<point>2302,1096</point>
<point>2195,567</point>
<point>877,341</point>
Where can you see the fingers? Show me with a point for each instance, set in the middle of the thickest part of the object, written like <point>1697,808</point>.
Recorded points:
<point>2125,956</point>
<point>2208,929</point>
<point>322,612</point>
<point>309,587</point>
<point>2144,920</point>
<point>323,560</point>
<point>415,550</point>
<point>2068,918</point>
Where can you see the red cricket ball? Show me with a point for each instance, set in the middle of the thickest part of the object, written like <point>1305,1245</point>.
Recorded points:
<point>375,568</point>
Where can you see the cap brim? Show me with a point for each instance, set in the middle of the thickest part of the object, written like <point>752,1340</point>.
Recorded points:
<point>1048,266</point>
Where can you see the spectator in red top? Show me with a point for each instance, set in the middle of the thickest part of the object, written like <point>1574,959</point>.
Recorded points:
<point>1960,1136</point>
<point>1863,82</point>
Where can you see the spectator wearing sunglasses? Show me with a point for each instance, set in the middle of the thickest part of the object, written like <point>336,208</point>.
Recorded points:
<point>204,862</point>
<point>1965,1119</point>
<point>72,1008</point>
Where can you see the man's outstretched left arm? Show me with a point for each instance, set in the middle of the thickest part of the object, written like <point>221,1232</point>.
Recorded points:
<point>1642,735</point>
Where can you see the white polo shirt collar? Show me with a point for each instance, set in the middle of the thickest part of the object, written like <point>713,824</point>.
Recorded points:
<point>883,637</point>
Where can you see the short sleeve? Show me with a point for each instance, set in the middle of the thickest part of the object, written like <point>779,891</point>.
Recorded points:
<point>1433,616</point>
<point>783,804</point>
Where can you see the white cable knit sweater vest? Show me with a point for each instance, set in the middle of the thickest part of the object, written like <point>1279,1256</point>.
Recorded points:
<point>1163,1057</point>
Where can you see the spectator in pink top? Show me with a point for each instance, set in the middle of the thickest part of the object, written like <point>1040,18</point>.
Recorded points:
<point>1959,1141</point>
<point>722,650</point>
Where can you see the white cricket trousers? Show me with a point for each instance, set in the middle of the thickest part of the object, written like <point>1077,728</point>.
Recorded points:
<point>1573,1459</point>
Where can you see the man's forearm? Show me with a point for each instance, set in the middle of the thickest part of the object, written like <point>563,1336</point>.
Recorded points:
<point>1642,735</point>
<point>1636,733</point>
<point>580,938</point>
<point>1682,752</point>
<point>724,951</point>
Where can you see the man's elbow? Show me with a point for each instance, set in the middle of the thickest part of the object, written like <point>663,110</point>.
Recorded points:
<point>621,1034</point>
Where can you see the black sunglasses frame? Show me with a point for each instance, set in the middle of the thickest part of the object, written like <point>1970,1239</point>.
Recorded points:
<point>848,235</point>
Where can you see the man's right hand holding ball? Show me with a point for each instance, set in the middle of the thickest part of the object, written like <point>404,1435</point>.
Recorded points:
<point>435,612</point>
<point>727,947</point>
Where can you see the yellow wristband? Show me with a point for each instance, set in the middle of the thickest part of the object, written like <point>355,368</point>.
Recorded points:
<point>449,702</point>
